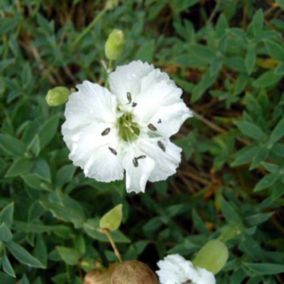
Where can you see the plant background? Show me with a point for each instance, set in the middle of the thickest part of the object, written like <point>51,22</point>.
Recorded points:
<point>227,55</point>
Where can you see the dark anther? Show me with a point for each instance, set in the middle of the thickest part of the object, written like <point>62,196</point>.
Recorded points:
<point>159,121</point>
<point>162,146</point>
<point>129,98</point>
<point>106,132</point>
<point>135,162</point>
<point>152,127</point>
<point>141,157</point>
<point>113,150</point>
<point>134,104</point>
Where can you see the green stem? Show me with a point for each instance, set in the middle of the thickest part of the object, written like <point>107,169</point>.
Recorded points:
<point>88,28</point>
<point>112,243</point>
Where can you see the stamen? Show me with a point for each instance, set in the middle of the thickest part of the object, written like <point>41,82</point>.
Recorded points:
<point>159,121</point>
<point>152,127</point>
<point>129,97</point>
<point>162,146</point>
<point>141,157</point>
<point>135,162</point>
<point>106,132</point>
<point>134,104</point>
<point>112,150</point>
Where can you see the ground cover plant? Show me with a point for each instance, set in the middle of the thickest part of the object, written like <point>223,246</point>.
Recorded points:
<point>227,56</point>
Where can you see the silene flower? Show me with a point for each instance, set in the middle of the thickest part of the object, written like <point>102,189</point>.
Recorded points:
<point>174,269</point>
<point>125,131</point>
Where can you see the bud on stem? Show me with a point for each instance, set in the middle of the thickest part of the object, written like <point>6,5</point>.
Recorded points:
<point>57,96</point>
<point>212,256</point>
<point>114,44</point>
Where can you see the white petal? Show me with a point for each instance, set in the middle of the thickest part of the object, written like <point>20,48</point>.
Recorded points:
<point>161,92</point>
<point>174,269</point>
<point>127,78</point>
<point>167,157</point>
<point>168,119</point>
<point>91,102</point>
<point>90,134</point>
<point>92,151</point>
<point>136,172</point>
<point>205,277</point>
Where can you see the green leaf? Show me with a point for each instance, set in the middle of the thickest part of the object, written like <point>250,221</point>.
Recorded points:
<point>244,156</point>
<point>7,214</point>
<point>266,181</point>
<point>5,233</point>
<point>279,70</point>
<point>23,256</point>
<point>19,167</point>
<point>64,208</point>
<point>258,218</point>
<point>33,181</point>
<point>251,130</point>
<point>40,251</point>
<point>260,156</point>
<point>202,53</point>
<point>34,146</point>
<point>146,51</point>
<point>264,268</point>
<point>24,280</point>
<point>267,79</point>
<point>7,267</point>
<point>69,255</point>
<point>48,130</point>
<point>112,219</point>
<point>280,3</point>
<point>230,213</point>
<point>250,59</point>
<point>275,50</point>
<point>42,170</point>
<point>8,24</point>
<point>277,133</point>
<point>181,5</point>
<point>257,23</point>
<point>91,227</point>
<point>12,145</point>
<point>64,175</point>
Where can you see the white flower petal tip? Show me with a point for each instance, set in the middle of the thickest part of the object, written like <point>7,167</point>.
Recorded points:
<point>174,269</point>
<point>125,131</point>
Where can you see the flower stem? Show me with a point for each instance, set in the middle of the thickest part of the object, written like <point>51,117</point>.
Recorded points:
<point>88,28</point>
<point>112,243</point>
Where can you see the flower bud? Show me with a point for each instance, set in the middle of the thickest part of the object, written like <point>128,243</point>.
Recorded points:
<point>114,44</point>
<point>112,219</point>
<point>111,4</point>
<point>57,96</point>
<point>212,256</point>
<point>134,272</point>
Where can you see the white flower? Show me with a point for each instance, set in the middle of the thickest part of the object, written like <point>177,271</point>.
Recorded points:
<point>126,129</point>
<point>174,269</point>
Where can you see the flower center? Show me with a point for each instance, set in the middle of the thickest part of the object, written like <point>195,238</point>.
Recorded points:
<point>128,130</point>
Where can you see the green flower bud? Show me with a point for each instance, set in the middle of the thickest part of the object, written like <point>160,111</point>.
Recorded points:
<point>57,96</point>
<point>212,256</point>
<point>111,4</point>
<point>112,219</point>
<point>114,44</point>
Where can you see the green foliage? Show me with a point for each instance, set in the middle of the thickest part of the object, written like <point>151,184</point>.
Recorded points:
<point>226,55</point>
